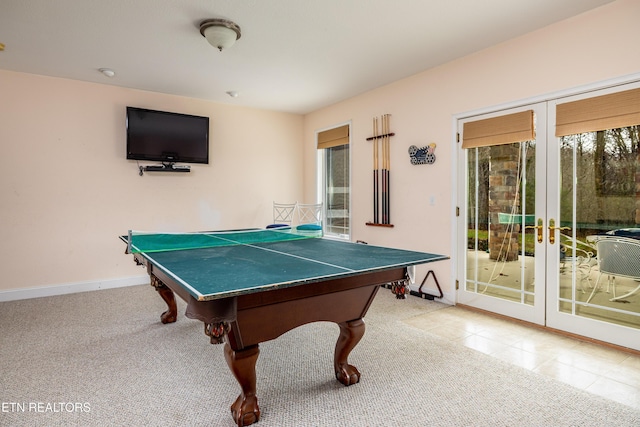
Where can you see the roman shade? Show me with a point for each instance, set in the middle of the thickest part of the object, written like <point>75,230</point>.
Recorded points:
<point>610,111</point>
<point>333,137</point>
<point>499,130</point>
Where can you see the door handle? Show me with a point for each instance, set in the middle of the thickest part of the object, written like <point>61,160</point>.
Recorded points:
<point>538,227</point>
<point>552,229</point>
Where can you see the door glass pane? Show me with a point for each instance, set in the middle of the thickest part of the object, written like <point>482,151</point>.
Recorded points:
<point>337,190</point>
<point>600,199</point>
<point>500,237</point>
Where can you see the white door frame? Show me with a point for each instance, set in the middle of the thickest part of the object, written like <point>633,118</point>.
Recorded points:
<point>606,332</point>
<point>530,313</point>
<point>580,325</point>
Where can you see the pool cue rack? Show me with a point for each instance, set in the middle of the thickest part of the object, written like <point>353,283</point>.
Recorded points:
<point>381,193</point>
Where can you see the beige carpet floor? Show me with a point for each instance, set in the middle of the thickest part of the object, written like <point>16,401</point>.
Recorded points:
<point>104,359</point>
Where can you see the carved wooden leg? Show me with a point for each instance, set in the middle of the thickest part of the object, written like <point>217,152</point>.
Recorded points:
<point>245,410</point>
<point>171,315</point>
<point>350,334</point>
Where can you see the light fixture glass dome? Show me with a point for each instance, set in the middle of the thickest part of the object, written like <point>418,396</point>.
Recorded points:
<point>220,33</point>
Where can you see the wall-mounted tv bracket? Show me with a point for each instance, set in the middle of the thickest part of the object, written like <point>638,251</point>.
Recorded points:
<point>164,167</point>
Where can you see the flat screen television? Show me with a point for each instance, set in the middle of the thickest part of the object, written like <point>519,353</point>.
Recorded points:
<point>167,137</point>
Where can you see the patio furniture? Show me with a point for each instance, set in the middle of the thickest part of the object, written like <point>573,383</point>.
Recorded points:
<point>581,253</point>
<point>618,256</point>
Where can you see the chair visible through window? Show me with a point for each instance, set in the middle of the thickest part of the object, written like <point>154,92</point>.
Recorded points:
<point>580,256</point>
<point>618,257</point>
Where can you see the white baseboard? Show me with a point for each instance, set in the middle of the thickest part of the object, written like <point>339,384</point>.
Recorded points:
<point>447,298</point>
<point>71,288</point>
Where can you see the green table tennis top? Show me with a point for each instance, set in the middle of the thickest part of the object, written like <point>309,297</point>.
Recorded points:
<point>209,267</point>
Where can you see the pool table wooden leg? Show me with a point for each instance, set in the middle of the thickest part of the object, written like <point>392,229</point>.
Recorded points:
<point>171,315</point>
<point>350,334</point>
<point>245,410</point>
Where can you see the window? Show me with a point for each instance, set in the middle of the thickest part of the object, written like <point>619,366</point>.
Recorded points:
<point>334,180</point>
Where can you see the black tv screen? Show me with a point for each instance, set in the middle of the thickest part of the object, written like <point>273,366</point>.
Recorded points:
<point>167,137</point>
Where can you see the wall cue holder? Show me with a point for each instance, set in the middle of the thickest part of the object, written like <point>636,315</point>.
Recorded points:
<point>375,224</point>
<point>381,143</point>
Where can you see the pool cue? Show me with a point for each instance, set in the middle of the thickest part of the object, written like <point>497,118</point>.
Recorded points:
<point>385,175</point>
<point>387,137</point>
<point>376,190</point>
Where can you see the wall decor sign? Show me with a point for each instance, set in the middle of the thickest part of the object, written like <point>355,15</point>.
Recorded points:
<point>423,156</point>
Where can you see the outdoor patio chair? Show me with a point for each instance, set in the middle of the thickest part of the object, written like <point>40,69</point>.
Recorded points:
<point>618,256</point>
<point>582,253</point>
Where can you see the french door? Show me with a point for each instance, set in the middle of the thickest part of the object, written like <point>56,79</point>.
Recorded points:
<point>532,210</point>
<point>502,185</point>
<point>594,177</point>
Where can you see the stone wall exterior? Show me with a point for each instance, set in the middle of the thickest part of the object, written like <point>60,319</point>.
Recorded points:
<point>503,187</point>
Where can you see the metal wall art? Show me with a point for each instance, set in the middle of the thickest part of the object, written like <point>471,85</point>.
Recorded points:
<point>423,156</point>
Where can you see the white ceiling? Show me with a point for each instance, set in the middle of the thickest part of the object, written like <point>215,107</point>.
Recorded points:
<point>294,55</point>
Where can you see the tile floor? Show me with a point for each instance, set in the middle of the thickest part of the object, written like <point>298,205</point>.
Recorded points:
<point>601,370</point>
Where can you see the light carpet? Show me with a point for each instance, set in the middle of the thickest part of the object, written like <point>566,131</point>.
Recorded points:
<point>104,359</point>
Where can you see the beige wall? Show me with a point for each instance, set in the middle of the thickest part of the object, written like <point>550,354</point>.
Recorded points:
<point>596,46</point>
<point>67,191</point>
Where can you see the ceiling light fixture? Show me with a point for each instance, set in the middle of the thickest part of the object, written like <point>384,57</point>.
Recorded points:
<point>220,33</point>
<point>107,72</point>
<point>232,93</point>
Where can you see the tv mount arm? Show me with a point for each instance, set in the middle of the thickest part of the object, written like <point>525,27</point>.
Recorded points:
<point>164,167</point>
